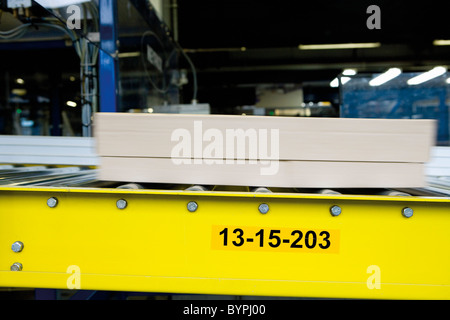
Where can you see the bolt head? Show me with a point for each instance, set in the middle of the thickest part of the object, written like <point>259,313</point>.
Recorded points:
<point>335,211</point>
<point>192,206</point>
<point>407,212</point>
<point>121,204</point>
<point>17,266</point>
<point>263,208</point>
<point>17,246</point>
<point>52,202</point>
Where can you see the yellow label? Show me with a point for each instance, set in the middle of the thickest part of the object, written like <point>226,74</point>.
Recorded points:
<point>244,238</point>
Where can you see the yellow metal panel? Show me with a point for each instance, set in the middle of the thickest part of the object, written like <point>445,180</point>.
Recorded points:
<point>155,244</point>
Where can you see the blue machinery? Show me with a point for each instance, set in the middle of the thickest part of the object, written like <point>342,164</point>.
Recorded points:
<point>399,101</point>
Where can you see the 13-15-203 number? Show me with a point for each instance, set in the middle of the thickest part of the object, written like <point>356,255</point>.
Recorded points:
<point>297,239</point>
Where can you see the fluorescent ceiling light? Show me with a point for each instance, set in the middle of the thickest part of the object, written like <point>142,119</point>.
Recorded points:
<point>433,73</point>
<point>52,4</point>
<point>129,54</point>
<point>349,72</point>
<point>19,92</point>
<point>215,49</point>
<point>339,46</point>
<point>441,42</point>
<point>448,80</point>
<point>385,77</point>
<point>335,82</point>
<point>72,104</point>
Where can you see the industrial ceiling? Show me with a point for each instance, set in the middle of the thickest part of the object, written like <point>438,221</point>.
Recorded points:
<point>244,42</point>
<point>237,44</point>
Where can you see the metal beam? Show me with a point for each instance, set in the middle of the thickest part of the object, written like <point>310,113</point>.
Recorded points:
<point>159,241</point>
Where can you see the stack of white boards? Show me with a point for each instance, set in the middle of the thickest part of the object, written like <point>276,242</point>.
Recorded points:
<point>48,150</point>
<point>263,151</point>
<point>439,164</point>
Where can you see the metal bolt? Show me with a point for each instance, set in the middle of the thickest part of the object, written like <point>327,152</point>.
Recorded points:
<point>407,212</point>
<point>335,211</point>
<point>121,204</point>
<point>17,246</point>
<point>192,206</point>
<point>17,266</point>
<point>263,208</point>
<point>52,202</point>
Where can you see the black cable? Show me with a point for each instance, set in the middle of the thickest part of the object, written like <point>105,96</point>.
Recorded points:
<point>183,53</point>
<point>78,32</point>
<point>194,72</point>
<point>113,56</point>
<point>165,87</point>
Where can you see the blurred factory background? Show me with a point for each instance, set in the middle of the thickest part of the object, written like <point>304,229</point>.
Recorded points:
<point>312,59</point>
